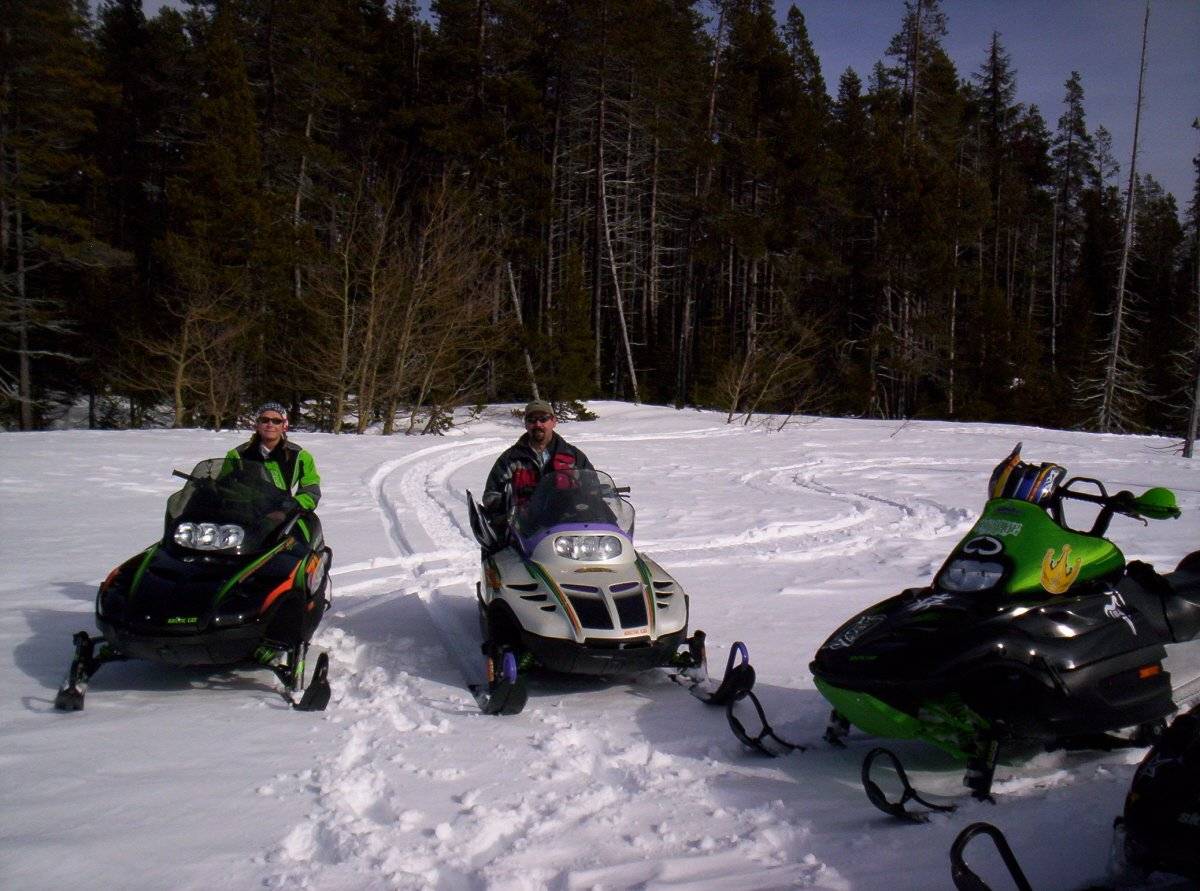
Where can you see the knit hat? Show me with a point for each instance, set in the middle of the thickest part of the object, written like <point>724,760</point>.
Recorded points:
<point>271,406</point>
<point>538,407</point>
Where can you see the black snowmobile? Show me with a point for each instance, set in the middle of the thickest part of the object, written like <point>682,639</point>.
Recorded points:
<point>1032,632</point>
<point>240,577</point>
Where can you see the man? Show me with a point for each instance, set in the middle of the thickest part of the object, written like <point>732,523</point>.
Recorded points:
<point>518,469</point>
<point>291,467</point>
<point>293,471</point>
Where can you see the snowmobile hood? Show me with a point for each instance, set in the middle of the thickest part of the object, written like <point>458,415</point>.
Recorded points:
<point>1017,549</point>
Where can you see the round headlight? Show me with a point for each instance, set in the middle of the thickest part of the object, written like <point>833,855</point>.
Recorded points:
<point>207,536</point>
<point>185,535</point>
<point>231,537</point>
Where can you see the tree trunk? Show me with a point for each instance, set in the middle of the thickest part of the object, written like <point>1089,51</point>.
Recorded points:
<point>516,302</point>
<point>1109,414</point>
<point>1193,426</point>
<point>308,125</point>
<point>24,367</point>
<point>616,280</point>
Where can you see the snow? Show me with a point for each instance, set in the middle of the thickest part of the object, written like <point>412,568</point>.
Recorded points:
<point>189,779</point>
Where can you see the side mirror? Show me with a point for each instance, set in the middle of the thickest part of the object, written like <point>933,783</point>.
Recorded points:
<point>1157,504</point>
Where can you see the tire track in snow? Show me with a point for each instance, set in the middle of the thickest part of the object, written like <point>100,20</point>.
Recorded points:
<point>807,540</point>
<point>659,814</point>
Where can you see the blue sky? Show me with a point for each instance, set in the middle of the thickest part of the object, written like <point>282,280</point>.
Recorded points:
<point>1047,40</point>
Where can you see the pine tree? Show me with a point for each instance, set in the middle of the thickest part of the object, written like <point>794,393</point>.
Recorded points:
<point>1073,153</point>
<point>49,91</point>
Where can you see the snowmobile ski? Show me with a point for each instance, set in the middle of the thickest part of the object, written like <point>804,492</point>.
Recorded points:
<point>738,678</point>
<point>896,808</point>
<point>506,691</point>
<point>965,879</point>
<point>317,693</point>
<point>766,740</point>
<point>85,663</point>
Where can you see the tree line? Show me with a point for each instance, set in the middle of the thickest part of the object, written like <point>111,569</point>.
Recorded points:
<point>379,217</point>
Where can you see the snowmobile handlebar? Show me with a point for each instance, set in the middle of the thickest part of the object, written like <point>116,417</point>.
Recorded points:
<point>291,519</point>
<point>1153,504</point>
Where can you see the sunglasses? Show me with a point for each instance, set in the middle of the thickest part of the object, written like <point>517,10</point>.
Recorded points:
<point>538,419</point>
<point>265,420</point>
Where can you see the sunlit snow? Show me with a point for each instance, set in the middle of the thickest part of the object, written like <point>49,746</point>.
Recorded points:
<point>174,778</point>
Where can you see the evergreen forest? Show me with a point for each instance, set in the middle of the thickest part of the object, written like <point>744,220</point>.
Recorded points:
<point>378,212</point>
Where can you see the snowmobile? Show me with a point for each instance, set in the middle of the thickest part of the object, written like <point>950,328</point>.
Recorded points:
<point>1032,632</point>
<point>565,590</point>
<point>240,577</point>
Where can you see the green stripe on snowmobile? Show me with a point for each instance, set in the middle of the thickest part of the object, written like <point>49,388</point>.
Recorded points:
<point>950,726</point>
<point>647,592</point>
<point>141,570</point>
<point>537,573</point>
<point>228,586</point>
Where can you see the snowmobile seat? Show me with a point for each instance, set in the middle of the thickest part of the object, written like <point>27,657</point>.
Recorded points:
<point>1189,563</point>
<point>1182,604</point>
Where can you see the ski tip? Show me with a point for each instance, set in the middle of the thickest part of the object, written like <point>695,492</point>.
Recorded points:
<point>68,700</point>
<point>316,696</point>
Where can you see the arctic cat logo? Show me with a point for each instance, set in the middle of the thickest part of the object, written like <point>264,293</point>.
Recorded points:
<point>183,620</point>
<point>848,637</point>
<point>1059,573</point>
<point>1116,610</point>
<point>931,600</point>
<point>984,545</point>
<point>1002,528</point>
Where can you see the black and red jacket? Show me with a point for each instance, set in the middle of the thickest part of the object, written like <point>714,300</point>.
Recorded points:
<point>518,470</point>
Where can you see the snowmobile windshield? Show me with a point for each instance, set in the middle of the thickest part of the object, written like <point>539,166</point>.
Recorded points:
<point>226,507</point>
<point>573,500</point>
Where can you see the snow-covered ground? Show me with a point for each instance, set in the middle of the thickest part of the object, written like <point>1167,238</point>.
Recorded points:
<point>177,778</point>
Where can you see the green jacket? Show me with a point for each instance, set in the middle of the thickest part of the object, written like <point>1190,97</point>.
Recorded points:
<point>291,467</point>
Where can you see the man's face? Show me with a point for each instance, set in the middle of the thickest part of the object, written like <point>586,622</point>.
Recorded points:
<point>270,426</point>
<point>540,427</point>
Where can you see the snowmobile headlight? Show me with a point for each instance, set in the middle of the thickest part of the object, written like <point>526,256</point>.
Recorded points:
<point>587,547</point>
<point>209,536</point>
<point>231,536</point>
<point>971,575</point>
